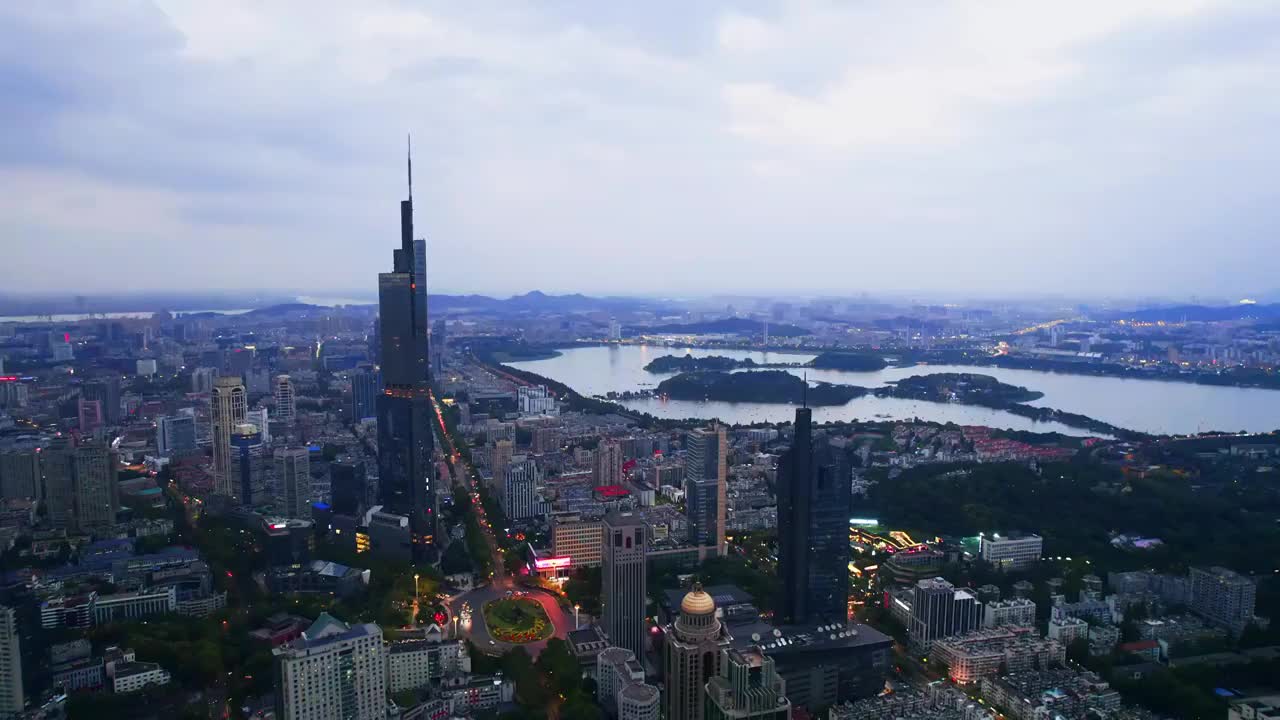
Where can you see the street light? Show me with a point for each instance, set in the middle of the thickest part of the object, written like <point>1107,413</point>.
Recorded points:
<point>415,587</point>
<point>575,616</point>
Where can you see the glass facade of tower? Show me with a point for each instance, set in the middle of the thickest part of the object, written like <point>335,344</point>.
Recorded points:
<point>405,436</point>
<point>813,527</point>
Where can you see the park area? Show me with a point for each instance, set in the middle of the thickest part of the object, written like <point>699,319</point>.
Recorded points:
<point>517,620</point>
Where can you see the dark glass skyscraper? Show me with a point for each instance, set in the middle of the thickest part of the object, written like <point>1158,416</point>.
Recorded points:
<point>813,527</point>
<point>405,440</point>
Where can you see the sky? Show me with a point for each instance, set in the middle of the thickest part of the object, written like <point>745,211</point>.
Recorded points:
<point>1003,147</point>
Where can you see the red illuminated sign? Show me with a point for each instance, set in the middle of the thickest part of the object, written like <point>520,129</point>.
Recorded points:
<point>553,563</point>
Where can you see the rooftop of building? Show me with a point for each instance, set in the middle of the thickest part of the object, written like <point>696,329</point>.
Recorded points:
<point>640,693</point>
<point>135,668</point>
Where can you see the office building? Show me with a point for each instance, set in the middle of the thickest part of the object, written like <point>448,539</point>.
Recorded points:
<point>623,581</point>
<point>520,497</point>
<point>579,539</point>
<point>939,610</point>
<point>334,671</point>
<point>406,442</point>
<point>12,700</point>
<point>814,485</point>
<point>228,406</point>
<point>20,474</point>
<point>127,677</point>
<point>748,687</point>
<point>146,367</point>
<point>348,487</point>
<point>606,464</point>
<point>285,403</point>
<point>175,434</point>
<point>120,607</point>
<point>691,655</point>
<point>248,468</point>
<point>705,485</point>
<point>293,482</point>
<point>1016,551</point>
<point>1223,598</point>
<point>1015,611</point>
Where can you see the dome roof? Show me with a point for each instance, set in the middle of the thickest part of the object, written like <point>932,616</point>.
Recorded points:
<point>697,602</point>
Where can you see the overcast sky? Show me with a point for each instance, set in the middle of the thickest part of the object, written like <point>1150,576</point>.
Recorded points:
<point>658,147</point>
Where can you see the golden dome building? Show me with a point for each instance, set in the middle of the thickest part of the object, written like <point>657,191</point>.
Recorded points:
<point>691,656</point>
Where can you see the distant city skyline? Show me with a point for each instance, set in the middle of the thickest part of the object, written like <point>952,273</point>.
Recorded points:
<point>1105,150</point>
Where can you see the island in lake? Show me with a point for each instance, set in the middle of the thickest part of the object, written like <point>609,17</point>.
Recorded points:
<point>856,362</point>
<point>764,386</point>
<point>689,363</point>
<point>967,388</point>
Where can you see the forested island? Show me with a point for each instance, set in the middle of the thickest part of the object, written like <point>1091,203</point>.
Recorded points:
<point>856,362</point>
<point>689,363</point>
<point>967,388</point>
<point>765,386</point>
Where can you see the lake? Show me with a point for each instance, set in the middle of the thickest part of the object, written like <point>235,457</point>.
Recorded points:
<point>1145,405</point>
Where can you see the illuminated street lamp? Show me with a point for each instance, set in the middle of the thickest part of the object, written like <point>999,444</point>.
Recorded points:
<point>575,616</point>
<point>415,587</point>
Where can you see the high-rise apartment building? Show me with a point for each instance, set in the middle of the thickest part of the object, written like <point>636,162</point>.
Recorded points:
<point>202,379</point>
<point>405,440</point>
<point>691,656</point>
<point>334,671</point>
<point>366,386</point>
<point>939,610</point>
<point>705,486</point>
<point>520,496</point>
<point>621,688</point>
<point>747,688</point>
<point>228,406</point>
<point>1014,611</point>
<point>606,463</point>
<point>1224,598</point>
<point>814,489</point>
<point>175,434</point>
<point>499,459</point>
<point>90,416</point>
<point>20,473</point>
<point>623,581</point>
<point>12,699</point>
<point>106,391</point>
<point>293,482</point>
<point>80,485</point>
<point>285,403</point>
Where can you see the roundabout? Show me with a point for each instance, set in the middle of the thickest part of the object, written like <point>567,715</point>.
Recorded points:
<point>517,620</point>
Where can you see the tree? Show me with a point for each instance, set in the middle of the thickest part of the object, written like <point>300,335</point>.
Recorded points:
<point>560,667</point>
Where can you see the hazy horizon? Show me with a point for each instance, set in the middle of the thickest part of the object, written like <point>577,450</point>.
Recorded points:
<point>1091,150</point>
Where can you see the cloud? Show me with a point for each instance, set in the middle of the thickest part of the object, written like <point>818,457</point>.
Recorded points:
<point>949,147</point>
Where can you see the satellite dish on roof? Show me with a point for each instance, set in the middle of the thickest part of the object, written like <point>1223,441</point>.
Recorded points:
<point>755,637</point>
<point>777,633</point>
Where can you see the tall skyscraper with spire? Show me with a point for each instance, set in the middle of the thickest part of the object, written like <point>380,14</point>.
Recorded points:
<point>405,441</point>
<point>814,486</point>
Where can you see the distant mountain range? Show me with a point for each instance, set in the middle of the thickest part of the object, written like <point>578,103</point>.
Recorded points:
<point>729,325</point>
<point>537,301</point>
<point>1201,313</point>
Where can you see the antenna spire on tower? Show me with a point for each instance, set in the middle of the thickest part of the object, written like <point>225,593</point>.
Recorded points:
<point>805,401</point>
<point>410,158</point>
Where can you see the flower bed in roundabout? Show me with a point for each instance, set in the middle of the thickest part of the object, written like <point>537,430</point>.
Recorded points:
<point>517,620</point>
